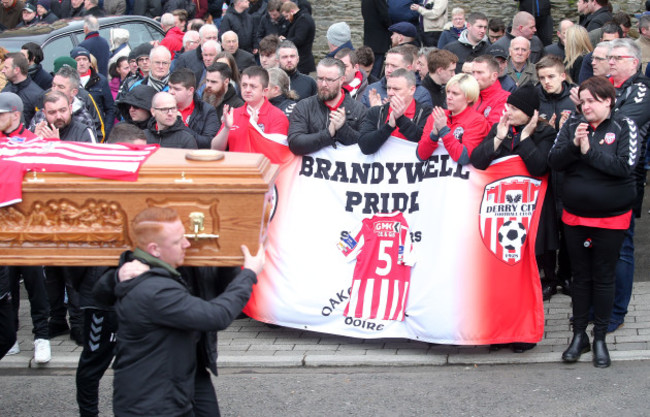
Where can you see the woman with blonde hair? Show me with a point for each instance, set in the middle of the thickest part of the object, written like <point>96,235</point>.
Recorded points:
<point>576,46</point>
<point>460,127</point>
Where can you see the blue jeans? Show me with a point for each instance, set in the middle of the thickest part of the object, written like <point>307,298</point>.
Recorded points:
<point>624,276</point>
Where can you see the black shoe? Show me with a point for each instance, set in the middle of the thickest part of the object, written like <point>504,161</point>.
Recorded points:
<point>601,354</point>
<point>520,347</point>
<point>566,286</point>
<point>76,335</point>
<point>579,345</point>
<point>57,329</point>
<point>498,346</point>
<point>548,291</point>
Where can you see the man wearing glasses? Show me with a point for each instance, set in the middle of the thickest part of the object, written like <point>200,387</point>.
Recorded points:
<point>329,117</point>
<point>632,100</point>
<point>160,60</point>
<point>166,128</point>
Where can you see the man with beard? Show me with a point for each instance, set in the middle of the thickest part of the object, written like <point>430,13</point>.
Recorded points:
<point>328,117</point>
<point>166,127</point>
<point>59,123</point>
<point>15,69</point>
<point>302,84</point>
<point>136,104</point>
<point>218,90</point>
<point>258,126</point>
<point>84,109</point>
<point>198,115</point>
<point>301,32</point>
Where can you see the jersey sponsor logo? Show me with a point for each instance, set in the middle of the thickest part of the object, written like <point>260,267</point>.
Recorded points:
<point>610,137</point>
<point>506,211</point>
<point>487,111</point>
<point>458,132</point>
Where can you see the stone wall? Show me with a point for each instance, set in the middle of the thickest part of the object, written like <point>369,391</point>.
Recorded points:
<point>327,12</point>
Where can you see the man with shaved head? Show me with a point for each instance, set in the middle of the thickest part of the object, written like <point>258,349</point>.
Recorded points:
<point>523,24</point>
<point>166,128</point>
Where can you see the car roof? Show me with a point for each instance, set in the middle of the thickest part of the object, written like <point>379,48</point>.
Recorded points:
<point>14,39</point>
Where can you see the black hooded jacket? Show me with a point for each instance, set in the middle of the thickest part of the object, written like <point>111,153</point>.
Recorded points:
<point>176,136</point>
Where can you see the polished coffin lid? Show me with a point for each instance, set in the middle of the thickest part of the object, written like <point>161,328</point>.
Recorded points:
<point>67,219</point>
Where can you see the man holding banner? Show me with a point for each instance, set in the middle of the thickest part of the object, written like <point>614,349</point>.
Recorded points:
<point>401,117</point>
<point>329,117</point>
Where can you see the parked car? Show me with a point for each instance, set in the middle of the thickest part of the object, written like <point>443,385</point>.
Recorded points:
<point>60,37</point>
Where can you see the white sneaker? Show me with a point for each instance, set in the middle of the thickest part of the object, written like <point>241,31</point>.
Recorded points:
<point>42,351</point>
<point>15,349</point>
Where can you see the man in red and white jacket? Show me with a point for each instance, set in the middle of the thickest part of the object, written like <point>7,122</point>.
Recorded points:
<point>257,126</point>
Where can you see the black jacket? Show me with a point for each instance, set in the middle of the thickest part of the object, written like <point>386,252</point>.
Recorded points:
<point>97,86</point>
<point>159,322</point>
<point>375,25</point>
<point>599,183</point>
<point>437,92</point>
<point>534,153</point>
<point>230,98</point>
<point>309,121</point>
<point>204,123</point>
<point>242,25</point>
<point>77,132</point>
<point>302,84</point>
<point>283,103</point>
<point>301,32</point>
<point>597,19</point>
<point>40,76</point>
<point>95,11</point>
<point>30,93</point>
<point>244,59</point>
<point>177,136</point>
<point>375,130</point>
<point>555,104</point>
<point>149,8</point>
<point>191,59</point>
<point>269,27</point>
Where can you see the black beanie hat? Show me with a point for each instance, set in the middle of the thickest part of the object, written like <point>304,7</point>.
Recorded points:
<point>525,98</point>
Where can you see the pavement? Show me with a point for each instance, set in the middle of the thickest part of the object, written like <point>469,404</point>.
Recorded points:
<point>251,344</point>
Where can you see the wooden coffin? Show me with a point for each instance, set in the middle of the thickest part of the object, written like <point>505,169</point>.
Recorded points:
<point>67,219</point>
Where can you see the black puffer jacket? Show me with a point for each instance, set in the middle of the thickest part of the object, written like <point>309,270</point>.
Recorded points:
<point>242,25</point>
<point>375,129</point>
<point>176,136</point>
<point>204,123</point>
<point>309,121</point>
<point>30,93</point>
<point>599,183</point>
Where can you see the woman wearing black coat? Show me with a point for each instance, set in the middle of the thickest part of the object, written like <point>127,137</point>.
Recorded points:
<point>597,152</point>
<point>521,133</point>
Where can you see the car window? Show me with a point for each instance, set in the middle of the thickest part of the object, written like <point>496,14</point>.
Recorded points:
<point>140,33</point>
<point>54,49</point>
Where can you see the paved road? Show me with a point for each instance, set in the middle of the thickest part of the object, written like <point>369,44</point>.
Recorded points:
<point>505,390</point>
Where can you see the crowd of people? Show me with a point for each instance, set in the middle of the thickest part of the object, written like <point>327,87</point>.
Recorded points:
<point>574,110</point>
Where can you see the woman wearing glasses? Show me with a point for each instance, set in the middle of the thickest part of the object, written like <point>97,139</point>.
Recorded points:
<point>597,152</point>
